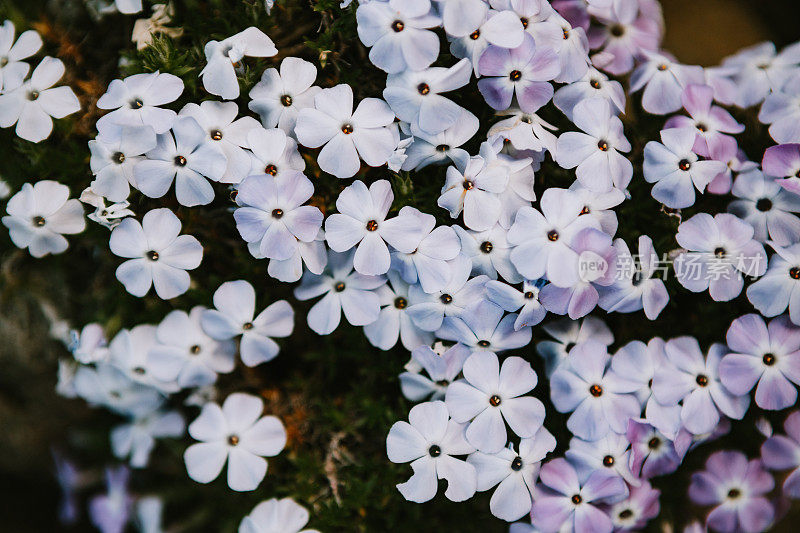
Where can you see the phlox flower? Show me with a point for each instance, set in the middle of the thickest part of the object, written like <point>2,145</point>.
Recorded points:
<point>784,161</point>
<point>157,254</point>
<point>435,149</point>
<point>129,351</point>
<point>474,189</point>
<point>280,95</point>
<point>710,122</point>
<point>567,333</point>
<point>414,96</point>
<point>271,213</point>
<point>110,512</point>
<point>760,70</point>
<point>766,206</point>
<point>524,131</point>
<point>525,301</point>
<point>14,68</point>
<point>782,452</point>
<point>115,153</point>
<point>186,157</point>
<point>343,290</point>
<point>219,74</point>
<point>460,17</point>
<point>273,153</point>
<point>345,134</point>
<point>489,395</point>
<point>107,386</point>
<point>641,506</point>
<point>31,104</point>
<point>237,434</point>
<point>223,129</point>
<point>675,168</point>
<point>765,357</point>
<point>496,28</point>
<point>137,438</point>
<point>235,314</point>
<point>90,345</point>
<point>441,369</point>
<point>778,289</point>
<point>513,473</point>
<point>593,84</point>
<point>663,81</point>
<point>652,453</point>
<point>483,327</point>
<point>186,354</point>
<point>489,252</point>
<point>135,101</point>
<point>276,516</point>
<point>394,321</point>
<point>311,256</point>
<point>428,441</point>
<point>727,150</point>
<point>781,110</point>
<point>39,216</point>
<point>693,380</point>
<point>624,37</point>
<point>720,250</point>
<point>737,488</point>
<point>599,205</point>
<point>562,501</point>
<point>601,401</point>
<point>361,222</point>
<point>610,453</point>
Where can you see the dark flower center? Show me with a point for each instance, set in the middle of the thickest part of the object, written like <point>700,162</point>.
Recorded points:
<point>152,255</point>
<point>524,22</point>
<point>768,359</point>
<point>654,443</point>
<point>552,235</point>
<point>118,158</point>
<point>247,326</point>
<point>684,164</point>
<point>608,461</point>
<point>734,493</point>
<point>434,451</point>
<point>286,100</point>
<point>662,67</point>
<point>233,440</point>
<point>529,295</point>
<point>398,26</point>
<point>339,287</point>
<point>702,380</point>
<point>39,221</point>
<point>495,400</point>
<point>277,213</point>
<point>515,75</point>
<point>701,127</point>
<point>595,84</point>
<point>372,225</point>
<point>139,370</point>
<point>216,135</point>
<point>602,144</point>
<point>569,346</point>
<point>486,247</point>
<point>180,161</point>
<point>764,204</point>
<point>625,514</point>
<point>516,464</point>
<point>195,349</point>
<point>136,103</point>
<point>576,499</point>
<point>400,303</point>
<point>271,169</point>
<point>347,129</point>
<point>585,210</point>
<point>719,252</point>
<point>565,33</point>
<point>596,390</point>
<point>468,185</point>
<point>483,343</point>
<point>794,273</point>
<point>617,30</point>
<point>442,148</point>
<point>475,35</point>
<point>423,89</point>
<point>445,299</point>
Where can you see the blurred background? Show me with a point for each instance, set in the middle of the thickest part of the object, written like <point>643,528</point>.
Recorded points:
<point>33,418</point>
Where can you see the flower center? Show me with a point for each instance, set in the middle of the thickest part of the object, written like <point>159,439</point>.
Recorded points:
<point>569,346</point>
<point>617,30</point>
<point>515,75</point>
<point>768,359</point>
<point>152,255</point>
<point>702,380</point>
<point>195,349</point>
<point>552,235</point>
<point>286,100</point>
<point>625,514</point>
<point>33,95</point>
<point>423,89</point>
<point>233,440</point>
<point>372,225</point>
<point>602,144</point>
<point>576,499</point>
<point>596,390</point>
<point>584,211</point>
<point>608,461</point>
<point>271,169</point>
<point>136,103</point>
<point>595,84</point>
<point>347,129</point>
<point>180,161</point>
<point>662,67</point>
<point>277,213</point>
<point>398,26</point>
<point>684,164</point>
<point>475,35</point>
<point>445,299</point>
<point>529,295</point>
<point>486,247</point>
<point>247,326</point>
<point>216,135</point>
<point>442,148</point>
<point>734,493</point>
<point>719,252</point>
<point>3,61</point>
<point>565,33</point>
<point>516,464</point>
<point>701,127</point>
<point>524,22</point>
<point>484,343</point>
<point>794,273</point>
<point>118,158</point>
<point>39,221</point>
<point>434,451</point>
<point>400,303</point>
<point>495,400</point>
<point>139,370</point>
<point>468,185</point>
<point>339,287</point>
<point>654,443</point>
<point>764,204</point>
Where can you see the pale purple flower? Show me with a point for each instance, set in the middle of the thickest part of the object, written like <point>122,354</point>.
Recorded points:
<point>272,213</point>
<point>219,74</point>
<point>567,334</point>
<point>460,292</point>
<point>760,70</point>
<point>361,223</point>
<point>641,506</point>
<point>14,68</point>
<point>394,320</point>
<point>727,151</point>
<point>135,101</point>
<point>782,452</point>
<point>235,314</point>
<point>157,254</point>
<point>525,301</point>
<point>483,327</point>
<point>222,128</point>
<point>693,380</point>
<point>664,81</point>
<point>414,96</point>
<point>474,188</point>
<point>781,110</point>
<point>185,156</point>
<point>39,216</point>
<point>766,206</point>
<point>441,369</point>
<point>344,290</point>
<point>491,396</point>
<point>276,516</point>
<point>428,263</point>
<point>236,434</point>
<point>610,453</point>
<point>737,488</point>
<point>32,103</point>
<point>600,400</point>
<point>428,441</point>
<point>784,161</point>
<point>115,153</point>
<point>110,512</point>
<point>519,190</point>
<point>489,252</point>
<point>513,473</point>
<point>710,122</point>
<point>399,39</point>
<point>569,42</point>
<point>763,356</point>
<point>460,17</point>
<point>273,153</point>
<point>720,250</point>
<point>437,149</point>
<point>634,286</point>
<point>563,502</point>
<point>541,239</point>
<point>623,38</point>
<point>129,351</point>
<point>779,288</point>
<point>523,131</point>
<point>136,439</point>
<point>675,168</point>
<point>523,72</point>
<point>345,134</point>
<point>311,256</point>
<point>599,205</point>
<point>652,453</point>
<point>279,96</point>
<point>593,84</point>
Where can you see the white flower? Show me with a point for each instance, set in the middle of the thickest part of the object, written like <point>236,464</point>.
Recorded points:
<point>128,7</point>
<point>429,442</point>
<point>344,290</point>
<point>311,254</point>
<point>115,153</point>
<point>273,153</point>
<point>272,213</point>
<point>137,438</point>
<point>431,149</point>
<point>218,119</point>
<point>13,69</point>
<point>236,434</point>
<point>526,301</point>
<point>219,75</point>
<point>235,315</point>
<point>135,101</point>
<point>394,320</point>
<point>474,188</point>
<point>347,135</point>
<point>489,394</point>
<point>108,216</point>
<point>40,215</point>
<point>91,345</point>
<point>514,474</point>
<point>129,352</point>
<point>361,221</point>
<point>442,370</point>
<point>145,29</point>
<point>31,104</point>
<point>187,159</point>
<point>186,354</point>
<point>489,252</point>
<point>280,96</point>
<point>276,516</point>
<point>106,385</point>
<point>157,254</point>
